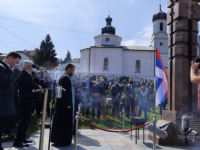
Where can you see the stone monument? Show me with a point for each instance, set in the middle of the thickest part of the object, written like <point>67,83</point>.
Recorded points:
<point>182,19</point>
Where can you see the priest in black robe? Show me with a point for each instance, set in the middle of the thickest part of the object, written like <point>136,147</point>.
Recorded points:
<point>64,115</point>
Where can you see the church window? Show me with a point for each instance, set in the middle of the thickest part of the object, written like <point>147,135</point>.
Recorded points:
<point>105,64</point>
<point>161,26</point>
<point>137,66</point>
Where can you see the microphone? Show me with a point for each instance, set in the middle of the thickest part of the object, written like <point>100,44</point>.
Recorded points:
<point>194,132</point>
<point>161,133</point>
<point>185,126</point>
<point>35,66</point>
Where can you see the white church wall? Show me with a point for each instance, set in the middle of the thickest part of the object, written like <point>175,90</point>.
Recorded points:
<point>161,45</point>
<point>114,56</point>
<point>146,59</point>
<point>84,61</point>
<point>77,67</point>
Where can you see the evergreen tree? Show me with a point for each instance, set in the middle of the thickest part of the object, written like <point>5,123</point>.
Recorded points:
<point>68,58</point>
<point>46,55</point>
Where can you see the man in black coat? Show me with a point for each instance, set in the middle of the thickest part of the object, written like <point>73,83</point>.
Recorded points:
<point>103,95</point>
<point>8,78</point>
<point>26,98</point>
<point>63,117</point>
<point>130,92</point>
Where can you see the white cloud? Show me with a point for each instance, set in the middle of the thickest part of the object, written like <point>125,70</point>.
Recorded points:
<point>143,38</point>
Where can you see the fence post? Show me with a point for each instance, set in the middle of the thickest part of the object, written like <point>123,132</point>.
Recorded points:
<point>123,111</point>
<point>76,132</point>
<point>154,134</point>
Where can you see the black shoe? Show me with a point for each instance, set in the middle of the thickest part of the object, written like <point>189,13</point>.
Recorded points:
<point>20,144</point>
<point>27,141</point>
<point>1,148</point>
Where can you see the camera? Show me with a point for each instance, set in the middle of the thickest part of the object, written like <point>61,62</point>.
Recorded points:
<point>197,60</point>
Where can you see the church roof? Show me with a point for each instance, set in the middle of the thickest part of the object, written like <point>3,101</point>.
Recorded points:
<point>159,15</point>
<point>131,48</point>
<point>76,60</point>
<point>139,48</point>
<point>109,29</point>
<point>28,53</point>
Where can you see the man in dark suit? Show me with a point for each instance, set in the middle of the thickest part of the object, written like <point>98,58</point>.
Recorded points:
<point>26,98</point>
<point>103,95</point>
<point>96,99</point>
<point>130,92</point>
<point>8,78</point>
<point>86,87</point>
<point>116,96</point>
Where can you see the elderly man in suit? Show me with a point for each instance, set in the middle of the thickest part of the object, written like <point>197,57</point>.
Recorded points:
<point>9,73</point>
<point>26,98</point>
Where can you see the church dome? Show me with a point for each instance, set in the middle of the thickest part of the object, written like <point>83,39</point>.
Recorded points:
<point>159,15</point>
<point>108,28</point>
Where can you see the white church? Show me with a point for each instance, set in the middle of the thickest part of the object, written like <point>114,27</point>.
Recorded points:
<point>107,56</point>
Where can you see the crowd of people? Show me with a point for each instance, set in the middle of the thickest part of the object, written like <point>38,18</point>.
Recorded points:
<point>18,102</point>
<point>94,95</point>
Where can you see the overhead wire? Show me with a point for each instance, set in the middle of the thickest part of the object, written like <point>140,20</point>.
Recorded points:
<point>17,36</point>
<point>45,26</point>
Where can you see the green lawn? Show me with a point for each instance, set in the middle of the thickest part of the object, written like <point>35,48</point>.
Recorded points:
<point>115,123</point>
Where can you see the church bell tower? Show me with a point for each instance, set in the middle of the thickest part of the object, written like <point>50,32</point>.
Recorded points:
<point>160,37</point>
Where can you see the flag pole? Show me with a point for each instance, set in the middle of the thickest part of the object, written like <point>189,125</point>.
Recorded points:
<point>154,118</point>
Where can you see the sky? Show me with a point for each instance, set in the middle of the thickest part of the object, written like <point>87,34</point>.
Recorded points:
<point>74,23</point>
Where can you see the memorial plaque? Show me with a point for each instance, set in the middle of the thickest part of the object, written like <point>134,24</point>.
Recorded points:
<point>182,50</point>
<point>180,25</point>
<point>180,37</point>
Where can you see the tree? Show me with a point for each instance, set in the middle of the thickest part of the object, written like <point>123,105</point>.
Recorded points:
<point>68,58</point>
<point>46,55</point>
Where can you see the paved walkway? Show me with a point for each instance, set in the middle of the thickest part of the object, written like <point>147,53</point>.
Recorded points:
<point>100,140</point>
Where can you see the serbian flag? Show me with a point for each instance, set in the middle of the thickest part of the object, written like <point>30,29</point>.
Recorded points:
<point>162,84</point>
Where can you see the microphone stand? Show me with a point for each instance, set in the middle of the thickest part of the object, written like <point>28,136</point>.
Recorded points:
<point>52,109</point>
